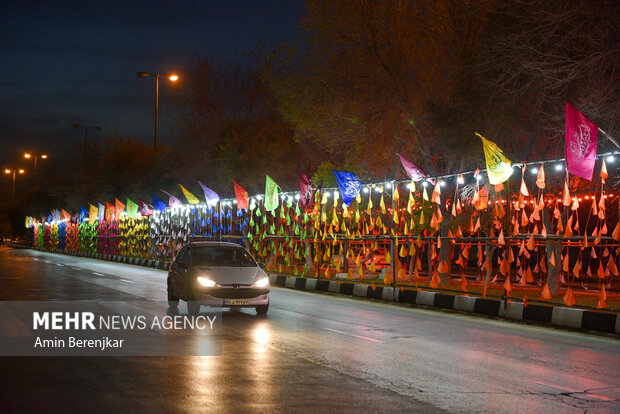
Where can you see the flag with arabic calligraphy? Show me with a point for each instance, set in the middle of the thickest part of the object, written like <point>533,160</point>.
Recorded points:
<point>499,168</point>
<point>581,142</point>
<point>349,186</point>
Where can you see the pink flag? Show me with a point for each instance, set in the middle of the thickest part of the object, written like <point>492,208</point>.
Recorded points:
<point>306,199</point>
<point>411,169</point>
<point>145,210</point>
<point>581,140</point>
<point>172,200</point>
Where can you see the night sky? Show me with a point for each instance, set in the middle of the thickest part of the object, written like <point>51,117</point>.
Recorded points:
<point>75,62</point>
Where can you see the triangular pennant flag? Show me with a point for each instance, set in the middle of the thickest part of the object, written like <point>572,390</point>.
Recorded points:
<point>499,168</point>
<point>241,196</point>
<point>211,197</point>
<point>189,196</point>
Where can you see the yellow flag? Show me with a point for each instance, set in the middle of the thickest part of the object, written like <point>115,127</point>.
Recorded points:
<point>189,196</point>
<point>499,168</point>
<point>92,214</point>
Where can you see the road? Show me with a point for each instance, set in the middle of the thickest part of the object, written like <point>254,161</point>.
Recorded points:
<point>311,353</point>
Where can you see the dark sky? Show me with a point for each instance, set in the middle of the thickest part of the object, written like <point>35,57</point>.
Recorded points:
<point>75,62</point>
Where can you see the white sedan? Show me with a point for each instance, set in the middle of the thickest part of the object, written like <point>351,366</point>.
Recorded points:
<point>217,274</point>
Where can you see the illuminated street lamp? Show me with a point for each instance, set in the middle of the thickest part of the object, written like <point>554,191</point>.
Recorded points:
<point>29,155</point>
<point>173,78</point>
<point>13,171</point>
<point>86,128</point>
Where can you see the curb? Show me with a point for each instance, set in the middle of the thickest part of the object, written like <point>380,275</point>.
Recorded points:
<point>553,315</point>
<point>156,264</point>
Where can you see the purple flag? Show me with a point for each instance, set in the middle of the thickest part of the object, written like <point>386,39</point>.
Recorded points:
<point>306,200</point>
<point>411,169</point>
<point>581,140</point>
<point>211,196</point>
<point>145,210</point>
<point>172,200</point>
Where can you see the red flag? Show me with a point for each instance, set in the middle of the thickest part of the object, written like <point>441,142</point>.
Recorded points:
<point>306,198</point>
<point>242,196</point>
<point>109,212</point>
<point>65,216</point>
<point>118,208</point>
<point>581,140</point>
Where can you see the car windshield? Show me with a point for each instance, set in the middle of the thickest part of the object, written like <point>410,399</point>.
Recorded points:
<point>222,256</point>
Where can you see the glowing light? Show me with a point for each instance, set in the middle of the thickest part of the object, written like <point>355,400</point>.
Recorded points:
<point>611,159</point>
<point>442,183</point>
<point>173,77</point>
<point>460,180</point>
<point>44,156</point>
<point>21,171</point>
<point>425,183</point>
<point>478,178</point>
<point>587,197</point>
<point>534,170</point>
<point>389,185</point>
<point>378,189</point>
<point>410,186</point>
<point>559,167</point>
<point>297,197</point>
<point>366,190</point>
<point>7,171</point>
<point>26,155</point>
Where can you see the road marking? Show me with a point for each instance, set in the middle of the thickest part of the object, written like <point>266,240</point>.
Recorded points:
<point>354,336</point>
<point>76,268</point>
<point>126,281</point>
<point>58,264</point>
<point>98,274</point>
<point>575,391</point>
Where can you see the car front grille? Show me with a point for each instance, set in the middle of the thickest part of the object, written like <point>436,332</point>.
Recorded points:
<point>241,293</point>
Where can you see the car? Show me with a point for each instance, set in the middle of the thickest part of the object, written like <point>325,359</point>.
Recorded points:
<point>217,274</point>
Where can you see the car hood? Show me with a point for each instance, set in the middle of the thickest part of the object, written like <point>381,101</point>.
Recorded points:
<point>230,275</point>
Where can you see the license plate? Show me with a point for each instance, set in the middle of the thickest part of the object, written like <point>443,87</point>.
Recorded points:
<point>236,302</point>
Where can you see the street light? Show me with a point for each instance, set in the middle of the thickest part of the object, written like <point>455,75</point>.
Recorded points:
<point>35,156</point>
<point>86,128</point>
<point>13,171</point>
<point>173,78</point>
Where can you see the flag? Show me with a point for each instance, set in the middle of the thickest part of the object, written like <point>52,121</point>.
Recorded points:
<point>92,215</point>
<point>499,168</point>
<point>306,199</point>
<point>65,215</point>
<point>172,200</point>
<point>83,215</point>
<point>241,195</point>
<point>145,209</point>
<point>349,186</point>
<point>56,215</point>
<point>159,205</point>
<point>271,194</point>
<point>100,212</point>
<point>211,197</point>
<point>132,209</point>
<point>118,208</point>
<point>109,211</point>
<point>411,169</point>
<point>581,141</point>
<point>189,196</point>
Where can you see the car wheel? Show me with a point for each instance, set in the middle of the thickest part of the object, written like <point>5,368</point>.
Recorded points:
<point>262,309</point>
<point>173,301</point>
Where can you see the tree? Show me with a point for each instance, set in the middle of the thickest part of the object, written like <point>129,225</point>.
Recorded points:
<point>230,128</point>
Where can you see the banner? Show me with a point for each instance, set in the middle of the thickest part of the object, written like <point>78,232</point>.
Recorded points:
<point>100,212</point>
<point>349,186</point>
<point>499,168</point>
<point>83,215</point>
<point>306,198</point>
<point>172,200</point>
<point>92,215</point>
<point>109,211</point>
<point>189,196</point>
<point>241,195</point>
<point>211,197</point>
<point>159,205</point>
<point>271,194</point>
<point>145,210</point>
<point>118,208</point>
<point>65,215</point>
<point>411,169</point>
<point>132,209</point>
<point>581,143</point>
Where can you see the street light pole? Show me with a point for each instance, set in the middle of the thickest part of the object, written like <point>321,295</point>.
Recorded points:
<point>7,171</point>
<point>86,128</point>
<point>35,156</point>
<point>171,77</point>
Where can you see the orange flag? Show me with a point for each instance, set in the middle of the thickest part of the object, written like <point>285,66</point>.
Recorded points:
<point>545,294</point>
<point>118,208</point>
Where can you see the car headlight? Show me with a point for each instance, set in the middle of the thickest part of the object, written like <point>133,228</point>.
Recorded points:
<point>261,283</point>
<point>206,282</point>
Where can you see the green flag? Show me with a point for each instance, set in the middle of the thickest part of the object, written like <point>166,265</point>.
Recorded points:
<point>271,194</point>
<point>132,209</point>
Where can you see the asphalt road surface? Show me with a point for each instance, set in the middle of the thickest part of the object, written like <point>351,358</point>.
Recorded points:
<point>311,353</point>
